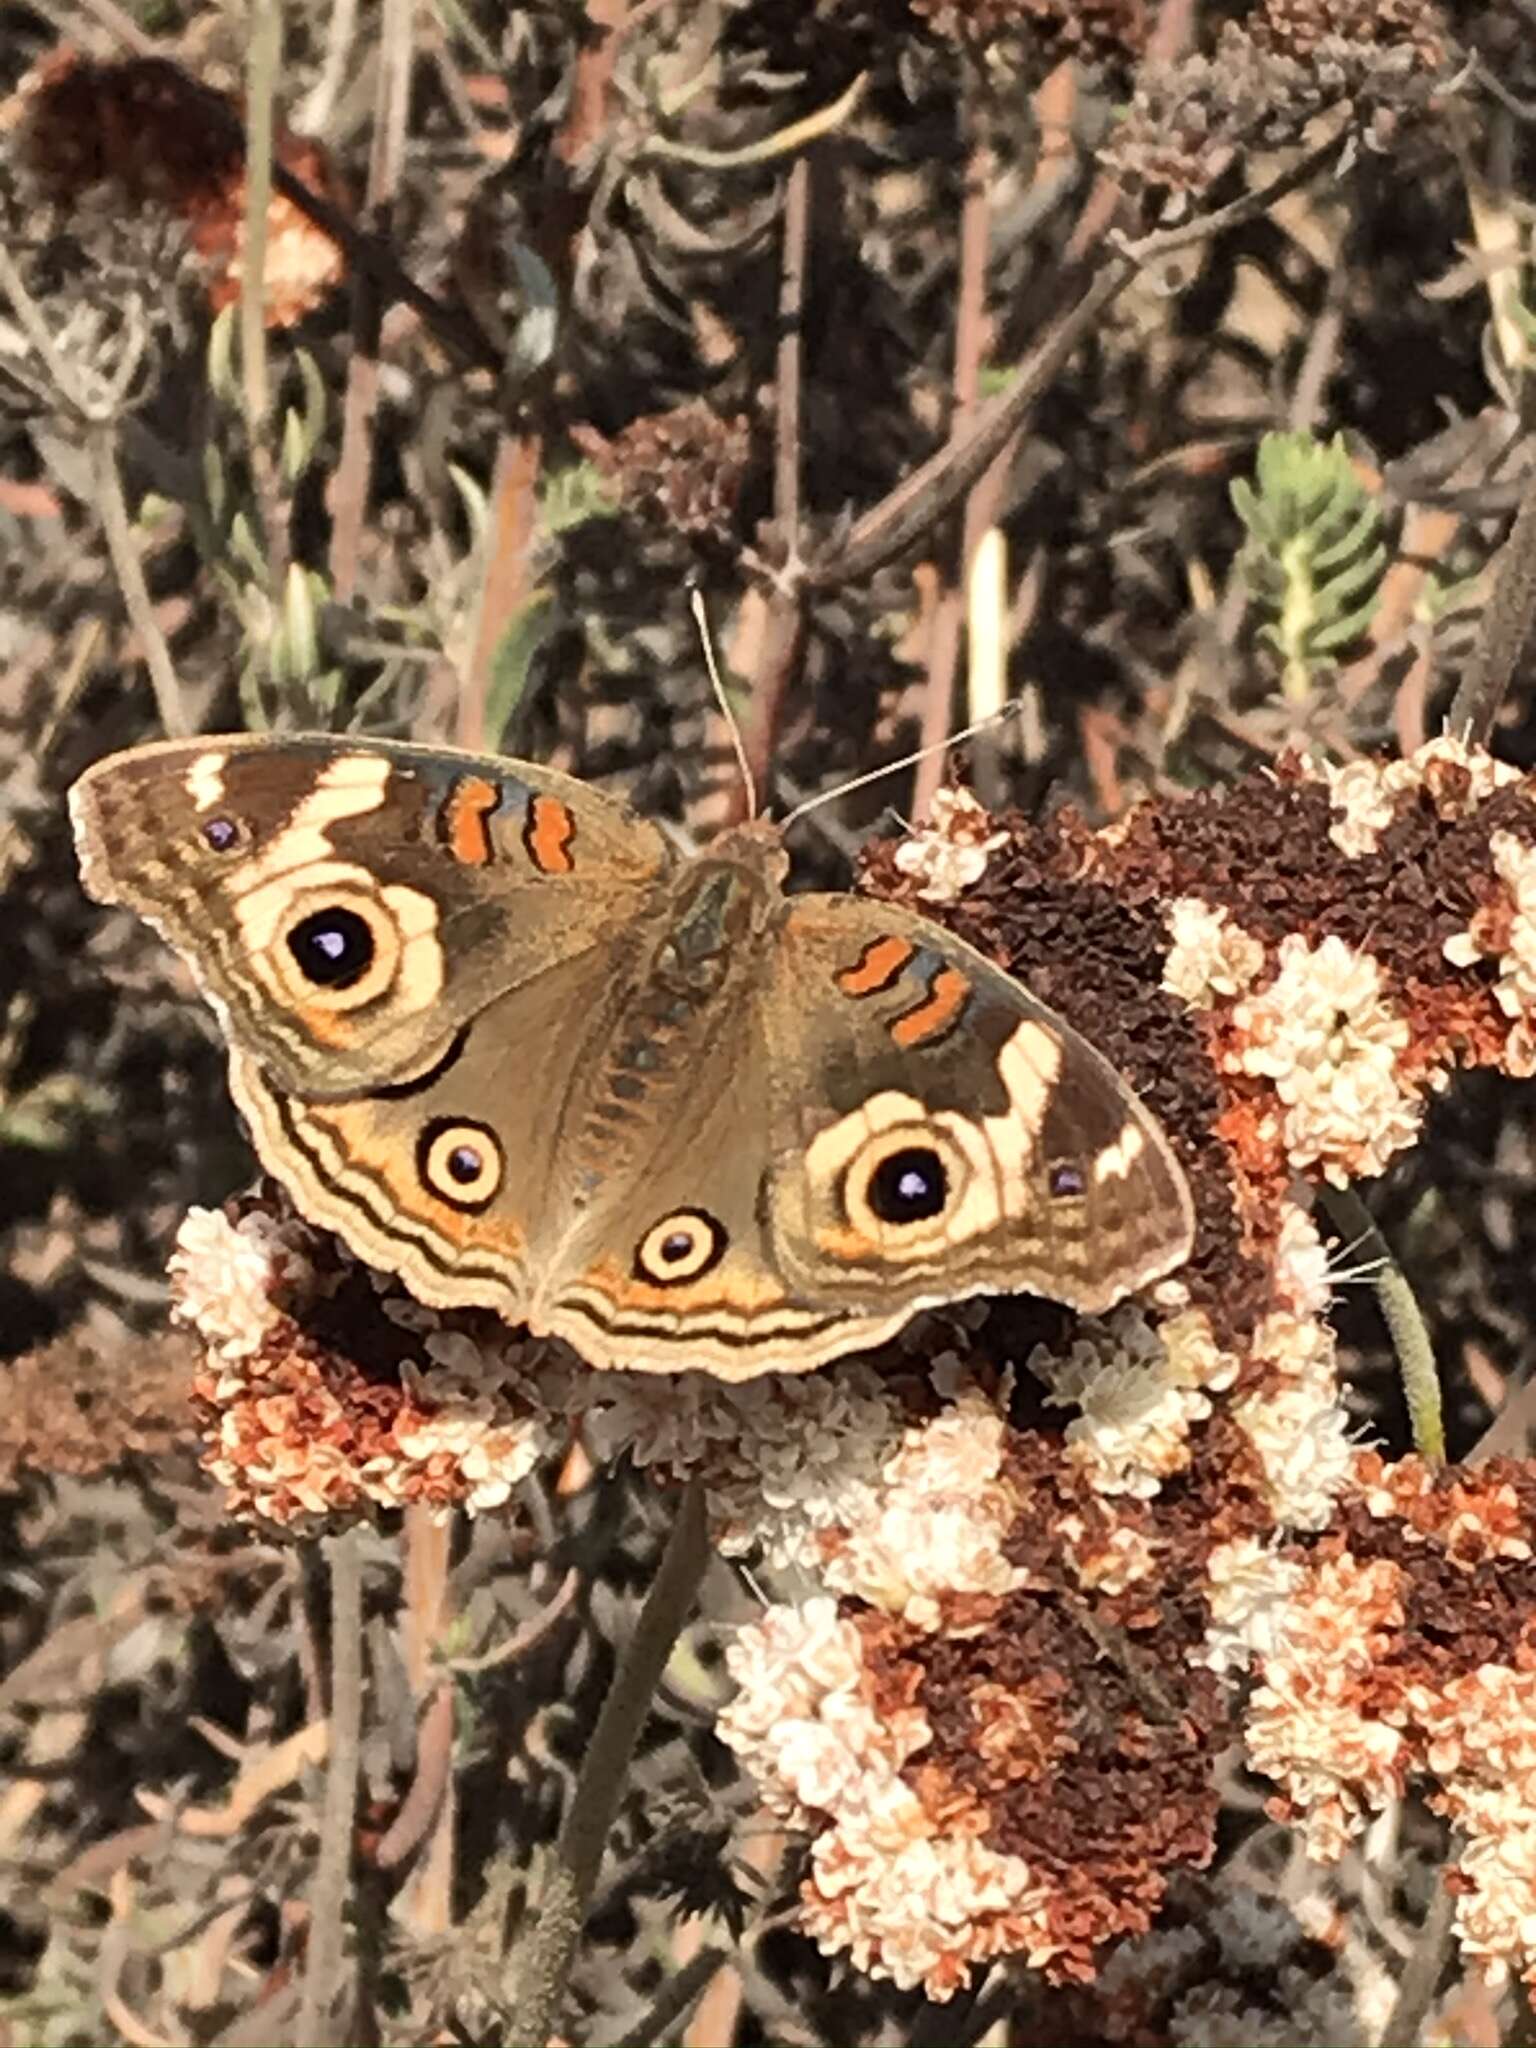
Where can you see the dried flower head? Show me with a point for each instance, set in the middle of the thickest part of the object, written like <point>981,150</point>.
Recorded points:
<point>949,853</point>
<point>678,471</point>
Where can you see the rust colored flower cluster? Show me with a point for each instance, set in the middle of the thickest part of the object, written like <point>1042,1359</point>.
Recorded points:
<point>142,127</point>
<point>678,471</point>
<point>1062,1564</point>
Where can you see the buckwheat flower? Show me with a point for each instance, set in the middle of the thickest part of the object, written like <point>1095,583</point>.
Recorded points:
<point>1364,804</point>
<point>786,1664</point>
<point>1366,794</point>
<point>455,1422</point>
<point>784,1458</point>
<point>950,852</point>
<point>1324,1032</point>
<point>1137,1408</point>
<point>1210,957</point>
<point>1107,1560</point>
<point>925,1916</point>
<point>938,1521</point>
<point>1301,1264</point>
<point>1300,1430</point>
<point>1506,932</point>
<point>1193,1356</point>
<point>1248,1585</point>
<point>224,1276</point>
<point>1310,1723</point>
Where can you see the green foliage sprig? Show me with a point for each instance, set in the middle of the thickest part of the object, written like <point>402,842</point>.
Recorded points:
<point>1314,556</point>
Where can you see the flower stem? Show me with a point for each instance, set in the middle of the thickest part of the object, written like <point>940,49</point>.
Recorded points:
<point>1405,1324</point>
<point>545,1964</point>
<point>333,1871</point>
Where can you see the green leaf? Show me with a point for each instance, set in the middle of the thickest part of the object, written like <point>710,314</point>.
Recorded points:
<point>513,660</point>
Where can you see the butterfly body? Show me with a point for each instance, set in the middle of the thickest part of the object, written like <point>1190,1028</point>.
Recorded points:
<point>488,1026</point>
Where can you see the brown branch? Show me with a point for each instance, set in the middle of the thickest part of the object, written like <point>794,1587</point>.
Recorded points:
<point>971,334</point>
<point>1503,631</point>
<point>354,467</point>
<point>906,513</point>
<point>784,630</point>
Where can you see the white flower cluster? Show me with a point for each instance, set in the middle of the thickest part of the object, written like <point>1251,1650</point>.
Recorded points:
<point>1296,1421</point>
<point>1512,942</point>
<point>785,1459</point>
<point>1365,794</point>
<point>938,1522</point>
<point>1325,1034</point>
<point>1483,1748</point>
<point>224,1279</point>
<point>1308,1726</point>
<point>1249,1583</point>
<point>950,852</point>
<point>464,1433</point>
<point>1138,1395</point>
<point>904,1899</point>
<point>1210,957</point>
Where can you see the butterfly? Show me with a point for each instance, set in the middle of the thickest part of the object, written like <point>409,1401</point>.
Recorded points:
<point>489,1027</point>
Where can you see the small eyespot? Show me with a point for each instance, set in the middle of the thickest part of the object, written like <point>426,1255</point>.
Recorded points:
<point>332,948</point>
<point>908,1186</point>
<point>1066,1181</point>
<point>222,834</point>
<point>680,1247</point>
<point>461,1163</point>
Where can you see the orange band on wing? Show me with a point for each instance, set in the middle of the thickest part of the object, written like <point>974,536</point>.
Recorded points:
<point>881,961</point>
<point>948,993</point>
<point>548,835</point>
<point>465,820</point>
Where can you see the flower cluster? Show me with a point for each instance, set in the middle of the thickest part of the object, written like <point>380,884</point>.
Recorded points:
<point>1059,1565</point>
<point>146,130</point>
<point>949,853</point>
<point>297,1428</point>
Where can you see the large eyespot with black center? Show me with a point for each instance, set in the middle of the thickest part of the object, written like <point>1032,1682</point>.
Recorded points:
<point>680,1247</point>
<point>337,949</point>
<point>902,1186</point>
<point>459,1162</point>
<point>332,948</point>
<point>908,1186</point>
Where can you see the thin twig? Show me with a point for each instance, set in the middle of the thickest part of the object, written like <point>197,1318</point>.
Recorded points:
<point>263,52</point>
<point>354,467</point>
<point>1168,241</point>
<point>545,1965</point>
<point>1502,631</point>
<point>970,350</point>
<point>1404,1320</point>
<point>677,1996</point>
<point>1421,1973</point>
<point>785,624</point>
<point>908,511</point>
<point>423,1801</point>
<point>129,571</point>
<point>526,1636</point>
<point>333,1869</point>
<point>263,55</point>
<point>426,1905</point>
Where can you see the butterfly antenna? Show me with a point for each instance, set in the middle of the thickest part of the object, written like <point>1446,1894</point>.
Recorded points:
<point>701,620</point>
<point>827,796</point>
